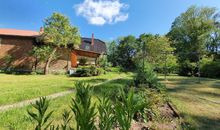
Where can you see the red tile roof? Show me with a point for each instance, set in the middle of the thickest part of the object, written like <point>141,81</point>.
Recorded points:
<point>14,32</point>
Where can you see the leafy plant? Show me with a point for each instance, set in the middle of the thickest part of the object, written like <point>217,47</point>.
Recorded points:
<point>106,114</point>
<point>66,120</point>
<point>83,61</point>
<point>87,71</point>
<point>82,108</point>
<point>126,107</point>
<point>41,116</point>
<point>147,77</point>
<point>102,61</point>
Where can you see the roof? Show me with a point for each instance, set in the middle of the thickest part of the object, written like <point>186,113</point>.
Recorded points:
<point>14,32</point>
<point>98,47</point>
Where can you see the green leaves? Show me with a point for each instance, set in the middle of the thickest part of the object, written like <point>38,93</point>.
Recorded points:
<point>59,32</point>
<point>106,114</point>
<point>192,34</point>
<point>111,116</point>
<point>82,108</point>
<point>41,116</point>
<point>126,106</point>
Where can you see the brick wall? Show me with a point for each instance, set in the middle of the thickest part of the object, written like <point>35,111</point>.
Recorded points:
<point>18,48</point>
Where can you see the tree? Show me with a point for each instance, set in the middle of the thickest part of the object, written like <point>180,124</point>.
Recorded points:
<point>58,33</point>
<point>190,33</point>
<point>112,53</point>
<point>40,53</point>
<point>156,50</point>
<point>126,51</point>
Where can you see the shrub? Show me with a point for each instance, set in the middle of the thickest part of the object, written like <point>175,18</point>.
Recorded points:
<point>126,107</point>
<point>82,72</point>
<point>102,61</point>
<point>8,59</point>
<point>106,114</point>
<point>118,115</point>
<point>87,71</point>
<point>83,61</point>
<point>100,71</point>
<point>211,69</point>
<point>147,77</point>
<point>93,70</point>
<point>82,108</point>
<point>187,68</point>
<point>41,117</point>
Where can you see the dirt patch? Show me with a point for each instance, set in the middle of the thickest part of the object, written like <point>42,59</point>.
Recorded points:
<point>170,120</point>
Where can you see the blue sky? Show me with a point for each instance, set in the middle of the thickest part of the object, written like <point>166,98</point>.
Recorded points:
<point>107,19</point>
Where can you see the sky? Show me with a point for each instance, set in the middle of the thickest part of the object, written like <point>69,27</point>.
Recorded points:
<point>107,19</point>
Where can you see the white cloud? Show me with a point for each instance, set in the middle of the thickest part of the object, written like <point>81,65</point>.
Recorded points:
<point>100,12</point>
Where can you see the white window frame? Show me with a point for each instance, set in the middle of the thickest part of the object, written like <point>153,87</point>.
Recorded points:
<point>87,47</point>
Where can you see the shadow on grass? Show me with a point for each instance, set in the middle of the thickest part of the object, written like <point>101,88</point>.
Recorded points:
<point>111,88</point>
<point>203,122</point>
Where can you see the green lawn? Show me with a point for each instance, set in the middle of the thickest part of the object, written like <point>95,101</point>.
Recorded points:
<point>18,119</point>
<point>198,103</point>
<point>15,88</point>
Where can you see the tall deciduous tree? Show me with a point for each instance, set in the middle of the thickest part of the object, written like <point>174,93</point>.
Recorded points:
<point>156,50</point>
<point>58,33</point>
<point>190,33</point>
<point>126,50</point>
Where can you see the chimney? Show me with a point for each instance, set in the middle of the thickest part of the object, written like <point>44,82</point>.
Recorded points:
<point>41,30</point>
<point>92,39</point>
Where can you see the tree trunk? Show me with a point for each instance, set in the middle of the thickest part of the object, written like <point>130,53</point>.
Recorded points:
<point>46,68</point>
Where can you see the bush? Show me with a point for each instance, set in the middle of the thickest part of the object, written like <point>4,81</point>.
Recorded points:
<point>211,69</point>
<point>83,61</point>
<point>87,71</point>
<point>102,61</point>
<point>147,77</point>
<point>187,68</point>
<point>82,72</point>
<point>100,71</point>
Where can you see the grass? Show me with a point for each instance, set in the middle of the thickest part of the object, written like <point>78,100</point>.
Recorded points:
<point>198,103</point>
<point>15,88</point>
<point>18,119</point>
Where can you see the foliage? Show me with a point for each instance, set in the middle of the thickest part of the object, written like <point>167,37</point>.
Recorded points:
<point>102,61</point>
<point>58,32</point>
<point>100,71</point>
<point>156,50</point>
<point>66,120</point>
<point>155,47</point>
<point>41,117</point>
<point>210,69</point>
<point>83,110</point>
<point>8,59</point>
<point>191,33</point>
<point>83,61</point>
<point>126,107</point>
<point>40,53</point>
<point>123,52</point>
<point>147,77</point>
<point>106,114</point>
<point>112,53</point>
<point>87,71</point>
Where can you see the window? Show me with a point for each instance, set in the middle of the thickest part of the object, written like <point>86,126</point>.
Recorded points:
<point>87,47</point>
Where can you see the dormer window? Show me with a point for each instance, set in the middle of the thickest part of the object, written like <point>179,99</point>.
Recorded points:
<point>87,47</point>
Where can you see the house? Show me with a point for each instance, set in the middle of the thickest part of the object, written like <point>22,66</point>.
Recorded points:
<point>15,47</point>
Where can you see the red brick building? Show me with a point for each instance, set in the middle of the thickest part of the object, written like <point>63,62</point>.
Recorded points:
<point>15,47</point>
